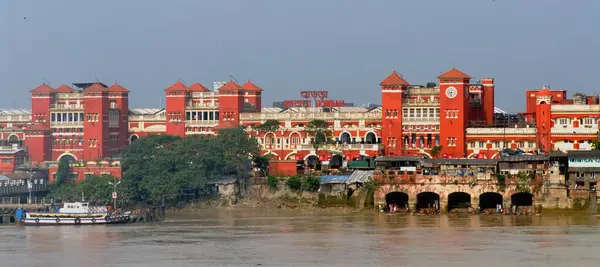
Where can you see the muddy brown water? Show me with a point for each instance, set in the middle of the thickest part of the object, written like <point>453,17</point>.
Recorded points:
<point>282,238</point>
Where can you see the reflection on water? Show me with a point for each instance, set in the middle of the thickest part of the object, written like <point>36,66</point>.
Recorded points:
<point>217,238</point>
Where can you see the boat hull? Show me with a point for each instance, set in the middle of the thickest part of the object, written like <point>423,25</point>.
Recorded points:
<point>75,220</point>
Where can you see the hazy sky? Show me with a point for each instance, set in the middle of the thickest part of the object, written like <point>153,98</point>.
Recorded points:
<point>345,46</point>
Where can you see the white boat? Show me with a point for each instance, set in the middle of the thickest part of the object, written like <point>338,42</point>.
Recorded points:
<point>76,213</point>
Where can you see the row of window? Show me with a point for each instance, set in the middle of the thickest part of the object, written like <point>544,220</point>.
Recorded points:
<point>79,141</point>
<point>501,144</point>
<point>451,114</point>
<point>421,127</point>
<point>202,115</point>
<point>421,112</point>
<point>66,116</point>
<point>391,113</point>
<point>421,141</point>
<point>583,121</point>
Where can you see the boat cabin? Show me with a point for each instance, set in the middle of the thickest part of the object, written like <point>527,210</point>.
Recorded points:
<point>80,207</point>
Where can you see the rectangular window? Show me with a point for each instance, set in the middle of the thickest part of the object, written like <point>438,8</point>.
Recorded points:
<point>404,112</point>
<point>411,113</point>
<point>53,117</point>
<point>418,113</point>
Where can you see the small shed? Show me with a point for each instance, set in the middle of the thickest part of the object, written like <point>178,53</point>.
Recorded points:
<point>334,184</point>
<point>226,189</point>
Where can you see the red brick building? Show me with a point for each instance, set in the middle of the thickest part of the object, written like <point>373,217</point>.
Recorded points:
<point>91,122</point>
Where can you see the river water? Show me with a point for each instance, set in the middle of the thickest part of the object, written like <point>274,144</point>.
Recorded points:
<point>253,238</point>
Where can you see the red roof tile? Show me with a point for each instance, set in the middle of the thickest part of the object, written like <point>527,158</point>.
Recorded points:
<point>43,88</point>
<point>454,73</point>
<point>251,87</point>
<point>117,88</point>
<point>197,87</point>
<point>64,89</point>
<point>95,88</point>
<point>394,79</point>
<point>230,85</point>
<point>178,86</point>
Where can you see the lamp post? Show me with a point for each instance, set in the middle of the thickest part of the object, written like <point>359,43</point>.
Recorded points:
<point>30,172</point>
<point>114,193</point>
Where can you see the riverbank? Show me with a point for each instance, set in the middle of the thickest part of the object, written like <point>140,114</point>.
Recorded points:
<point>288,204</point>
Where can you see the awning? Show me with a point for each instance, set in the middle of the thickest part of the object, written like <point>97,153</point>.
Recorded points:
<point>334,179</point>
<point>360,177</point>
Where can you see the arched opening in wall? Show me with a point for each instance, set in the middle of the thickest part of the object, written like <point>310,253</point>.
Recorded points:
<point>295,139</point>
<point>345,138</point>
<point>371,138</point>
<point>133,137</point>
<point>427,200</point>
<point>396,200</point>
<point>521,199</point>
<point>489,200</point>
<point>311,161</point>
<point>270,139</point>
<point>68,157</point>
<point>336,161</point>
<point>13,139</point>
<point>459,201</point>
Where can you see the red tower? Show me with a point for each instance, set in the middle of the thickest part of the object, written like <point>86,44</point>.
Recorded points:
<point>118,117</point>
<point>95,127</point>
<point>41,99</point>
<point>392,93</point>
<point>543,118</point>
<point>231,103</point>
<point>454,104</point>
<point>175,109</point>
<point>253,96</point>
<point>488,100</point>
<point>38,142</point>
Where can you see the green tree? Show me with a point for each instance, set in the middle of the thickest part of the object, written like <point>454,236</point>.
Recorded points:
<point>165,166</point>
<point>435,151</point>
<point>320,134</point>
<point>596,142</point>
<point>95,189</point>
<point>62,173</point>
<point>268,126</point>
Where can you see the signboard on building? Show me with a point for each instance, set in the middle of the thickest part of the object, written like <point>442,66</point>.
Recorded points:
<point>296,103</point>
<point>319,98</point>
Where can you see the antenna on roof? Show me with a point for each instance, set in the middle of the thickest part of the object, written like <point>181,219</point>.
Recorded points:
<point>233,78</point>
<point>98,81</point>
<point>47,81</point>
<point>181,80</point>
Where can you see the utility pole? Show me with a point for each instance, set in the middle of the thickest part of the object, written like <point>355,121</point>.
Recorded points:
<point>30,172</point>
<point>114,193</point>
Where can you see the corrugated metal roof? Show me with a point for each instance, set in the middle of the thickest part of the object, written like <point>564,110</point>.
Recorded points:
<point>398,158</point>
<point>360,177</point>
<point>334,179</point>
<point>270,110</point>
<point>461,161</point>
<point>15,112</point>
<point>145,111</point>
<point>584,154</point>
<point>516,158</point>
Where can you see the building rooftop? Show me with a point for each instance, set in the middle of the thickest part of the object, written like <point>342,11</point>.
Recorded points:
<point>11,112</point>
<point>145,111</point>
<point>584,154</point>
